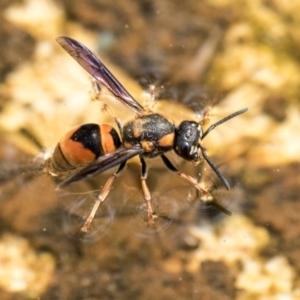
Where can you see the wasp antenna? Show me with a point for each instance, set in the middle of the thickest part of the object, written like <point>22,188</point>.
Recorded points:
<point>213,126</point>
<point>215,169</point>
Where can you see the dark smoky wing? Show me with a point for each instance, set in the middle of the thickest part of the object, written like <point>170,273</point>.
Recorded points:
<point>92,64</point>
<point>102,164</point>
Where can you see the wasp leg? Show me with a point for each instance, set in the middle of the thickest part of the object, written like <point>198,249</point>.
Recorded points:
<point>186,177</point>
<point>102,197</point>
<point>110,112</point>
<point>146,192</point>
<point>97,92</point>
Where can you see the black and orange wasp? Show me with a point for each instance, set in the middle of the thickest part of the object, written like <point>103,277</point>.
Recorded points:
<point>97,148</point>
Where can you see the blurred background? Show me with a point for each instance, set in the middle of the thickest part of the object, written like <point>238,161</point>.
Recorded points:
<point>216,55</point>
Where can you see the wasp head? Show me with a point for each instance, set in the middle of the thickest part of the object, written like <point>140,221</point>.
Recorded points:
<point>187,137</point>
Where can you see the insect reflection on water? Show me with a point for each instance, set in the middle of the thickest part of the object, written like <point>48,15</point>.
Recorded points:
<point>176,206</point>
<point>28,198</point>
<point>98,148</point>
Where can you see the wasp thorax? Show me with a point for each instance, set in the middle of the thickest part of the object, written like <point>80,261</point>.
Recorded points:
<point>187,139</point>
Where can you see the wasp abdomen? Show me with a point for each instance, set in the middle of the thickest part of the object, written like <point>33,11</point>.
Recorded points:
<point>83,144</point>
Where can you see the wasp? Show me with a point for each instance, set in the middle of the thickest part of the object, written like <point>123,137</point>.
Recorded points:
<point>97,148</point>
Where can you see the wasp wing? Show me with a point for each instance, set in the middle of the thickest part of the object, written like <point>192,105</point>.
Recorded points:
<point>92,64</point>
<point>102,164</point>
